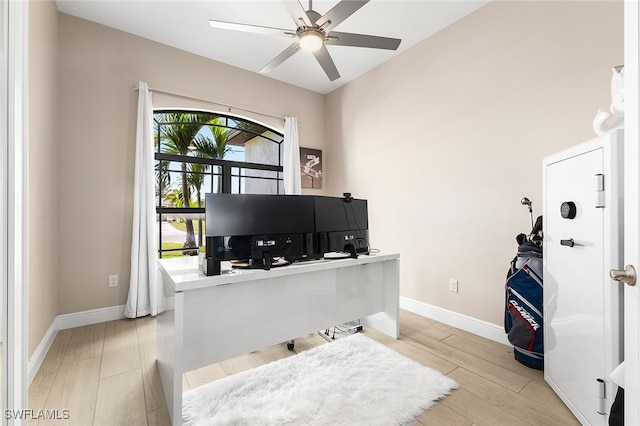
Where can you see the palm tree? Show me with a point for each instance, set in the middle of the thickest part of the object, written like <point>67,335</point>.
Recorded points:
<point>175,197</point>
<point>196,180</point>
<point>178,134</point>
<point>207,148</point>
<point>163,179</point>
<point>216,148</point>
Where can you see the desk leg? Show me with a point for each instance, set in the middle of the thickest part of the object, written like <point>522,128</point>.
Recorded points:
<point>169,356</point>
<point>388,321</point>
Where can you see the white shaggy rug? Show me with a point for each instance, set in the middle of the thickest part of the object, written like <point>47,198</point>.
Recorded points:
<point>350,381</point>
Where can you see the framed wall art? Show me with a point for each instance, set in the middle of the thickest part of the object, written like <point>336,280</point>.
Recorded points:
<point>311,168</point>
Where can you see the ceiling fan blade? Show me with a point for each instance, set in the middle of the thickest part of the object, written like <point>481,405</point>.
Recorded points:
<point>361,40</point>
<point>339,13</point>
<point>283,56</point>
<point>297,12</point>
<point>325,61</point>
<point>250,28</point>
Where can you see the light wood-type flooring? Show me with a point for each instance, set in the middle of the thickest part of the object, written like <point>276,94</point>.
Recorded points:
<point>105,374</point>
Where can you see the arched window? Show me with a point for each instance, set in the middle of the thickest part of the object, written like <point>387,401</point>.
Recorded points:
<point>203,152</point>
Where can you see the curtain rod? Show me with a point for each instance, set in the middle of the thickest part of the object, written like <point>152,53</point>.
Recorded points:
<point>229,107</point>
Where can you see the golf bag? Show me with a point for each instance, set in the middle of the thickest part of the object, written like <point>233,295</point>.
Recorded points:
<point>523,301</point>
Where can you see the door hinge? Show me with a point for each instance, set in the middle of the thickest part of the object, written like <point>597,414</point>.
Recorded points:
<point>599,191</point>
<point>602,396</point>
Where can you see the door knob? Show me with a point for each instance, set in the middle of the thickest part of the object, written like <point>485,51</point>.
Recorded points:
<point>628,275</point>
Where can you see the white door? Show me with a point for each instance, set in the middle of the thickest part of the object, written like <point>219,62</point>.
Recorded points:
<point>632,202</point>
<point>582,306</point>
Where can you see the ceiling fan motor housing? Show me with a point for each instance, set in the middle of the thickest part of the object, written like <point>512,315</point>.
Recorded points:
<point>314,17</point>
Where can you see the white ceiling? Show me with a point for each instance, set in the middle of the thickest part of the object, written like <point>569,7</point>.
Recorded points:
<point>185,25</point>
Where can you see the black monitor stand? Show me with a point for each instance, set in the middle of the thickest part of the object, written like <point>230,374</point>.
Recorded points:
<point>351,249</point>
<point>266,260</point>
<point>213,266</point>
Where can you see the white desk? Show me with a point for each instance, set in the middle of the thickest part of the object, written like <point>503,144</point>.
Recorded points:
<point>219,317</point>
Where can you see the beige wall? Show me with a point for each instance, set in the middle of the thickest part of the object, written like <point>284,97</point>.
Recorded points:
<point>97,109</point>
<point>43,156</point>
<point>445,139</point>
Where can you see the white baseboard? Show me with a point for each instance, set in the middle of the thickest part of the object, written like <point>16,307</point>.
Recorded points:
<point>38,356</point>
<point>62,322</point>
<point>76,319</point>
<point>93,316</point>
<point>463,322</point>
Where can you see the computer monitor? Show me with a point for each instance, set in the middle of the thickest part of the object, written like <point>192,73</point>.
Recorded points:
<point>254,214</point>
<point>258,228</point>
<point>341,225</point>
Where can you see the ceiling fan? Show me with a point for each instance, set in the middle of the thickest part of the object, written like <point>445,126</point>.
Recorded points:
<point>314,32</point>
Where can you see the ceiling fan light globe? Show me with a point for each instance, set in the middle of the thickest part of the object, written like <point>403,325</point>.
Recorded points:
<point>311,40</point>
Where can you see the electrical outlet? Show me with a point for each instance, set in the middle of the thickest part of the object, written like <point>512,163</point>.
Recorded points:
<point>453,285</point>
<point>113,281</point>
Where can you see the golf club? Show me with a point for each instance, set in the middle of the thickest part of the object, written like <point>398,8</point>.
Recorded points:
<point>526,202</point>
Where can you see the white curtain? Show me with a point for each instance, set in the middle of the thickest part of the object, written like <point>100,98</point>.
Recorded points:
<point>291,157</point>
<point>145,295</point>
